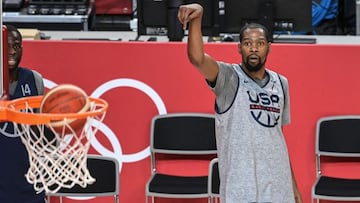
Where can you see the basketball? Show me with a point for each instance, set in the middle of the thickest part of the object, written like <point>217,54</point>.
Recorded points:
<point>64,99</point>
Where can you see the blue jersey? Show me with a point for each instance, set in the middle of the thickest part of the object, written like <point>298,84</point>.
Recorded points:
<point>14,187</point>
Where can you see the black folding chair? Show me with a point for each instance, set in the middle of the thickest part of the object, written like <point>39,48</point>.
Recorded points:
<point>186,135</point>
<point>106,172</point>
<point>337,139</point>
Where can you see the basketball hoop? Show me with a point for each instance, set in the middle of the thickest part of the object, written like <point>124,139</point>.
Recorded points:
<point>57,157</point>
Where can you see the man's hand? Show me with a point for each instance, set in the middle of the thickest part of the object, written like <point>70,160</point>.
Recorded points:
<point>4,97</point>
<point>298,197</point>
<point>189,12</point>
<point>298,200</point>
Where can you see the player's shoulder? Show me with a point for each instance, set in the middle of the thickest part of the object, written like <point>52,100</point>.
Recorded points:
<point>282,77</point>
<point>227,65</point>
<point>38,80</point>
<point>229,68</point>
<point>36,74</point>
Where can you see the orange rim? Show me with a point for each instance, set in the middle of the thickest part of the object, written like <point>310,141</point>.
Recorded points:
<point>12,111</point>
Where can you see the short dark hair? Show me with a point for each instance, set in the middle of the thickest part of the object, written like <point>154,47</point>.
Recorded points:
<point>254,26</point>
<point>11,28</point>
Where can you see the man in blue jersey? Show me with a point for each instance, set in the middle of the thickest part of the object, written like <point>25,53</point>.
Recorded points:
<point>252,106</point>
<point>24,82</point>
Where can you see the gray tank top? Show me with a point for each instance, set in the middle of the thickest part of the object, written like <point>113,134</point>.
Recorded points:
<point>253,158</point>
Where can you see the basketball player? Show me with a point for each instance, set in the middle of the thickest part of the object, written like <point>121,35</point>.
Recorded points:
<point>252,106</point>
<point>14,187</point>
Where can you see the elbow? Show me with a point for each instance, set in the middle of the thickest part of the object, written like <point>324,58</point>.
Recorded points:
<point>196,61</point>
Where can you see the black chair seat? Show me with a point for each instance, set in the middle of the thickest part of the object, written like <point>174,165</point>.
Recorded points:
<point>340,187</point>
<point>170,184</point>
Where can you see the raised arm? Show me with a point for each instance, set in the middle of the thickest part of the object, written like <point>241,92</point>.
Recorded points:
<point>192,14</point>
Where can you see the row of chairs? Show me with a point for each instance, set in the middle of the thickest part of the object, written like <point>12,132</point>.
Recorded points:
<point>337,137</point>
<point>198,188</point>
<point>184,137</point>
<point>182,134</point>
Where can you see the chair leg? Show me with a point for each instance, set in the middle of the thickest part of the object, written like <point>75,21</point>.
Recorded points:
<point>147,199</point>
<point>212,199</point>
<point>315,200</point>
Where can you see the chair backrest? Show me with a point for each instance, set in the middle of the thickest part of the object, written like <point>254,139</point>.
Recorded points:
<point>106,172</point>
<point>338,136</point>
<point>214,178</point>
<point>183,133</point>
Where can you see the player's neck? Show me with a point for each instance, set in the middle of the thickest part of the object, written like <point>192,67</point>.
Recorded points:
<point>259,75</point>
<point>13,75</point>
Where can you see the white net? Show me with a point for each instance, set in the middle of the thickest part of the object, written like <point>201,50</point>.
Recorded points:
<point>58,156</point>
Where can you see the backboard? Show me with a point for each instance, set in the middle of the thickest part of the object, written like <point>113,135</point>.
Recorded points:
<point>4,71</point>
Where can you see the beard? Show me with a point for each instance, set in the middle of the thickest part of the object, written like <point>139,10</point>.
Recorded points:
<point>253,68</point>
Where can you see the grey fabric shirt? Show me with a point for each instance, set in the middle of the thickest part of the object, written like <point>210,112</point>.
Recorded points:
<point>253,158</point>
